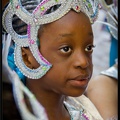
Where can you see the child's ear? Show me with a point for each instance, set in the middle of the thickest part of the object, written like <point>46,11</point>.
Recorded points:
<point>27,57</point>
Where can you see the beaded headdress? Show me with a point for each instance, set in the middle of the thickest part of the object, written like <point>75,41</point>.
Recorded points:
<point>38,17</point>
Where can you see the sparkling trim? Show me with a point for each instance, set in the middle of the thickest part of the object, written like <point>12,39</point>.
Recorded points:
<point>34,20</point>
<point>76,114</point>
<point>30,73</point>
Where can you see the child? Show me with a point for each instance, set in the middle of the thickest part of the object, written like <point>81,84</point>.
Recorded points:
<point>59,30</point>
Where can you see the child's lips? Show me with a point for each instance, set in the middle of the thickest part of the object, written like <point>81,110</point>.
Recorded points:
<point>79,81</point>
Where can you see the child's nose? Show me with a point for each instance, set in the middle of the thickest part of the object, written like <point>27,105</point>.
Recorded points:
<point>81,60</point>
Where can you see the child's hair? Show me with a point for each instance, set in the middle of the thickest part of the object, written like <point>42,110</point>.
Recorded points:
<point>18,25</point>
<point>21,27</point>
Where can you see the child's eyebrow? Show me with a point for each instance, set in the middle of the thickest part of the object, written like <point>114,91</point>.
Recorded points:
<point>70,34</point>
<point>63,35</point>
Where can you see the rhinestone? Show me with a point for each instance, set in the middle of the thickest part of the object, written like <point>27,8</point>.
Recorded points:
<point>42,8</point>
<point>17,7</point>
<point>32,41</point>
<point>77,7</point>
<point>35,20</point>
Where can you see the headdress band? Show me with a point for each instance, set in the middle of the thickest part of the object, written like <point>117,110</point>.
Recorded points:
<point>34,20</point>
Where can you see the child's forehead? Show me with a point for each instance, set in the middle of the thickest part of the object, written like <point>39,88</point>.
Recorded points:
<point>70,19</point>
<point>69,26</point>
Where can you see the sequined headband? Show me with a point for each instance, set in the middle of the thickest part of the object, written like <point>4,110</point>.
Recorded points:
<point>34,20</point>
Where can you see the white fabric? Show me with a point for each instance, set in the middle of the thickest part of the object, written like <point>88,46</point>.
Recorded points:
<point>75,104</point>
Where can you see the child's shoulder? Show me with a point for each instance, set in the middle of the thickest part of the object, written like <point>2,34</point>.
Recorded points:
<point>81,108</point>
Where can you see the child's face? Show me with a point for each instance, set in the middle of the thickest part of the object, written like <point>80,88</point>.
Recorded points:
<point>67,45</point>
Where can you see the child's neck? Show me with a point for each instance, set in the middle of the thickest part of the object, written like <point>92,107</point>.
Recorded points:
<point>52,102</point>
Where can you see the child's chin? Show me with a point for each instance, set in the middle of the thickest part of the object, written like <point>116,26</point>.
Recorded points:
<point>77,93</point>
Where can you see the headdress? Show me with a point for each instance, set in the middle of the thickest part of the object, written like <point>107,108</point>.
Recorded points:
<point>20,28</point>
<point>38,17</point>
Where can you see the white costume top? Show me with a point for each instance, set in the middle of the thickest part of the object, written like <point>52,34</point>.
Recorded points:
<point>81,108</point>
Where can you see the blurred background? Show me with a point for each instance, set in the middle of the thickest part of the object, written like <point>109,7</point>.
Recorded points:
<point>102,40</point>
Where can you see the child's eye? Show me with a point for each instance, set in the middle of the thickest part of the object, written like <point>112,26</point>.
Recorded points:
<point>66,49</point>
<point>89,48</point>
